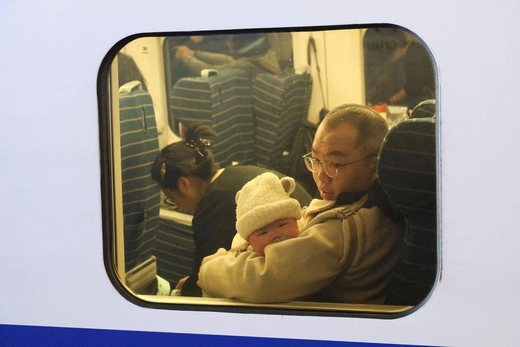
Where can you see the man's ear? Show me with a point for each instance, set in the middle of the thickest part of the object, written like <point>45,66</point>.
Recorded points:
<point>373,166</point>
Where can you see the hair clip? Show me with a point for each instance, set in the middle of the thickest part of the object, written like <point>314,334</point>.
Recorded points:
<point>190,143</point>
<point>203,143</point>
<point>163,170</point>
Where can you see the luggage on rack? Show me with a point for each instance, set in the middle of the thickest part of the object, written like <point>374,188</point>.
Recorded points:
<point>222,101</point>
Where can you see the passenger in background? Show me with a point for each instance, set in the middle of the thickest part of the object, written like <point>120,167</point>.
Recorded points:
<point>349,244</point>
<point>248,52</point>
<point>207,43</point>
<point>128,70</point>
<point>187,175</point>
<point>398,68</point>
<point>420,78</point>
<point>385,76</point>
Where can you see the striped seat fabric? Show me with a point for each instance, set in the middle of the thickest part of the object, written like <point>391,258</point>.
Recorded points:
<point>424,109</point>
<point>407,173</point>
<point>224,103</point>
<point>174,249</point>
<point>281,103</point>
<point>141,195</point>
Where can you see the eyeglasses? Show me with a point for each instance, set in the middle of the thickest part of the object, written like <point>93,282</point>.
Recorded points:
<point>167,200</point>
<point>331,169</point>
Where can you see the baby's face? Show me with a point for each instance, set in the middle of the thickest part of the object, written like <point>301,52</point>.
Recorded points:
<point>281,229</point>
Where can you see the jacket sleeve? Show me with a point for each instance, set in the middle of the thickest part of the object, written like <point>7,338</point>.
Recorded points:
<point>290,269</point>
<point>219,62</point>
<point>206,60</point>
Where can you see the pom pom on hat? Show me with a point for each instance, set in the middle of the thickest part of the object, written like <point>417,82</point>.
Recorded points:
<point>263,200</point>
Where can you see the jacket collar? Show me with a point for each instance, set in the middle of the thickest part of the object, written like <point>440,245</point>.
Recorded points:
<point>348,198</point>
<point>376,197</point>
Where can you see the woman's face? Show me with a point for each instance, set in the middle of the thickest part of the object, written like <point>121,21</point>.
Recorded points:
<point>185,202</point>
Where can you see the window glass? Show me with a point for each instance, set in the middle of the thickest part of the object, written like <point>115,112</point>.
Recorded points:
<point>263,95</point>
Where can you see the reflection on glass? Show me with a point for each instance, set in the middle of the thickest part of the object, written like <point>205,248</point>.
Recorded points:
<point>259,95</point>
<point>398,72</point>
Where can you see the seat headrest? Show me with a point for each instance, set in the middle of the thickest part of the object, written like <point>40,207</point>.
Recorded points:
<point>425,109</point>
<point>407,173</point>
<point>407,164</point>
<point>130,87</point>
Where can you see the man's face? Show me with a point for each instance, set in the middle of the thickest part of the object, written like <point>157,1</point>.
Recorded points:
<point>281,229</point>
<point>338,146</point>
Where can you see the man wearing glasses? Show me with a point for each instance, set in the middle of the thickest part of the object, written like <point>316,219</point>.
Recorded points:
<point>349,243</point>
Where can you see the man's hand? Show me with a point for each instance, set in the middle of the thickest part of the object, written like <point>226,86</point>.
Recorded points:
<point>219,253</point>
<point>197,39</point>
<point>182,52</point>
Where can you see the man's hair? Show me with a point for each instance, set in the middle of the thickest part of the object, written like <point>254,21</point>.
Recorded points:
<point>371,126</point>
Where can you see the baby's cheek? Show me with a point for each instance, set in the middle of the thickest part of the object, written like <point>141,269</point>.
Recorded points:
<point>294,233</point>
<point>257,245</point>
<point>259,249</point>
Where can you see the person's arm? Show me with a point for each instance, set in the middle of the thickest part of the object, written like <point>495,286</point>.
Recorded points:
<point>290,270</point>
<point>397,97</point>
<point>190,287</point>
<point>221,239</point>
<point>213,228</point>
<point>214,58</point>
<point>205,60</point>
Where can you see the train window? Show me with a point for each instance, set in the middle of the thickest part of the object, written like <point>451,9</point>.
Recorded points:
<point>186,120</point>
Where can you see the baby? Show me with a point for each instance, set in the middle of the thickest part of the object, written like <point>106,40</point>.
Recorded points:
<point>265,213</point>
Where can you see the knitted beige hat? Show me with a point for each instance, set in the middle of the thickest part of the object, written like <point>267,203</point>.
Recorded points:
<point>263,200</point>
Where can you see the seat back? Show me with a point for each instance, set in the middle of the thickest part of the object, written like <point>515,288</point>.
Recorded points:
<point>281,103</point>
<point>302,145</point>
<point>425,109</point>
<point>407,173</point>
<point>175,246</point>
<point>222,101</point>
<point>141,195</point>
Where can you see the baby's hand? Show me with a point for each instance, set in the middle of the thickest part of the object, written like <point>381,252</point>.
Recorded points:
<point>220,252</point>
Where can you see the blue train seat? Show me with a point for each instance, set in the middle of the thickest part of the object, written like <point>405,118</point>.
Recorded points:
<point>407,173</point>
<point>424,109</point>
<point>222,101</point>
<point>141,195</point>
<point>175,246</point>
<point>281,103</point>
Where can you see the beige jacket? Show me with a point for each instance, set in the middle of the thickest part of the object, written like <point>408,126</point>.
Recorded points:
<point>327,258</point>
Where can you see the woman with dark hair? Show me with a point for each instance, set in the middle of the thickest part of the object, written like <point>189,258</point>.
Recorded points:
<point>128,70</point>
<point>187,175</point>
<point>249,52</point>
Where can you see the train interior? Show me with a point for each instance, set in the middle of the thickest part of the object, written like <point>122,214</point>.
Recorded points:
<point>266,120</point>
